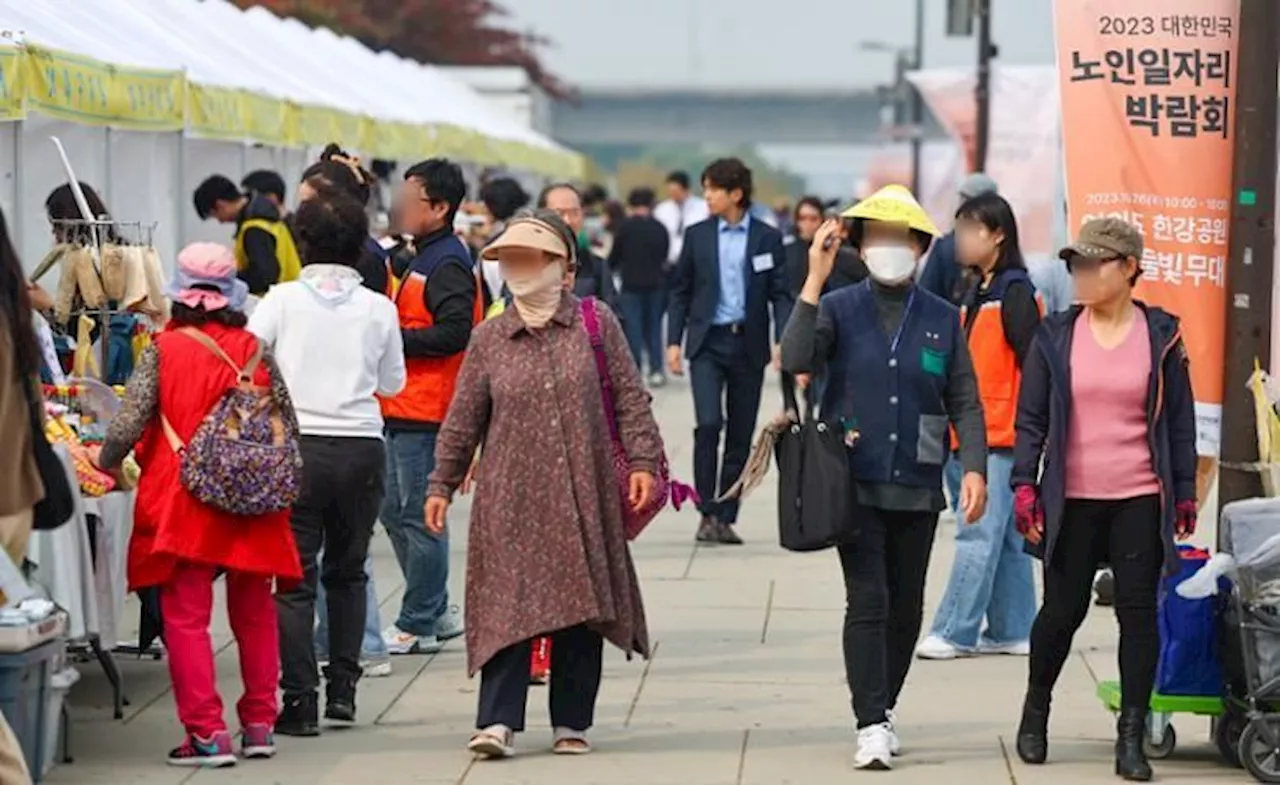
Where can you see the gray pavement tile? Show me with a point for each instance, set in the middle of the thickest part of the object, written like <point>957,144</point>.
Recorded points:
<point>746,687</point>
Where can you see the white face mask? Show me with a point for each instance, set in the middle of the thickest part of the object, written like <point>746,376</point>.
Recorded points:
<point>890,264</point>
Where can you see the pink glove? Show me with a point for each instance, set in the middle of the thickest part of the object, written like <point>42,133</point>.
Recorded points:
<point>1028,513</point>
<point>1184,522</point>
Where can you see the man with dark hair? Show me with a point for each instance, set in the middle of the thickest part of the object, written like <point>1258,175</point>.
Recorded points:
<point>639,254</point>
<point>503,197</point>
<point>438,303</point>
<point>267,183</point>
<point>677,212</point>
<point>731,273</point>
<point>264,247</point>
<point>593,277</point>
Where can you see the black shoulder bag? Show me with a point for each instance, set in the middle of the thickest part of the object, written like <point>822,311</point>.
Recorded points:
<point>814,484</point>
<point>59,503</point>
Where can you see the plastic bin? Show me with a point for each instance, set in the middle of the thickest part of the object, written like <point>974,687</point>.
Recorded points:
<point>24,699</point>
<point>60,684</point>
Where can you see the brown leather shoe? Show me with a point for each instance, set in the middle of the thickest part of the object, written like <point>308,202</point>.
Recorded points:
<point>708,530</point>
<point>726,535</point>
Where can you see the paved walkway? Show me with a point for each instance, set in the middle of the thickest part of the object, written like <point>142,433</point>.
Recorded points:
<point>746,688</point>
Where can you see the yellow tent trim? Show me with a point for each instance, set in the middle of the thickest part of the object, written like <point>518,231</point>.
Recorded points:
<point>90,92</point>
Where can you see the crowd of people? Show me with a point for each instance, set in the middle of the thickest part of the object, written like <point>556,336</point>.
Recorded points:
<point>392,371</point>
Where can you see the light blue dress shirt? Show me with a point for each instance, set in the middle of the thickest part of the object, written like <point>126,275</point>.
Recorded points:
<point>732,307</point>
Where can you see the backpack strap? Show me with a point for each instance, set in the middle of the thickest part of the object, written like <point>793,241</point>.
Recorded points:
<point>244,374</point>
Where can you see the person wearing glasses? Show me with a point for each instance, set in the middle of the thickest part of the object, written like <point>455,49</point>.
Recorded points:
<point>594,278</point>
<point>1106,407</point>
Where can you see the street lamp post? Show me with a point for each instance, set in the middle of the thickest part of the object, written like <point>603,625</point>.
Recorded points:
<point>917,103</point>
<point>908,107</point>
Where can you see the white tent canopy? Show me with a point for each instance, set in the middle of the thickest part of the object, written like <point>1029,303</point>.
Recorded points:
<point>148,173</point>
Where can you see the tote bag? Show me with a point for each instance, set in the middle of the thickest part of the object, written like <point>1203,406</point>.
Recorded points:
<point>1189,652</point>
<point>814,483</point>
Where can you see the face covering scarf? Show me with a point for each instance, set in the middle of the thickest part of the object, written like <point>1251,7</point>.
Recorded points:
<point>537,296</point>
<point>891,264</point>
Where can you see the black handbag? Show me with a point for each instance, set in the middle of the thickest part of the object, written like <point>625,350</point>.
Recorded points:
<point>814,484</point>
<point>59,503</point>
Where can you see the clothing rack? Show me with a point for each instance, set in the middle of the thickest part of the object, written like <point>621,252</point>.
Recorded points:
<point>93,234</point>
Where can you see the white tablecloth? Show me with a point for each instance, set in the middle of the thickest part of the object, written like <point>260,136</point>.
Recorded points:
<point>94,599</point>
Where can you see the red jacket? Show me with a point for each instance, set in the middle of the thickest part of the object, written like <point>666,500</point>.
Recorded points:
<point>170,524</point>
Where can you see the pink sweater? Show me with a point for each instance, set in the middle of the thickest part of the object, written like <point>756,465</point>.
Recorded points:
<point>1108,454</point>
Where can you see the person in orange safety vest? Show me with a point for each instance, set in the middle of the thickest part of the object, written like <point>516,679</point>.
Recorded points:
<point>991,577</point>
<point>439,304</point>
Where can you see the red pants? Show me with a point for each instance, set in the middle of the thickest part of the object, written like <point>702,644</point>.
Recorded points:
<point>186,603</point>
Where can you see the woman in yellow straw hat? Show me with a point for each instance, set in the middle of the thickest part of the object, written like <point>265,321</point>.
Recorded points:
<point>899,373</point>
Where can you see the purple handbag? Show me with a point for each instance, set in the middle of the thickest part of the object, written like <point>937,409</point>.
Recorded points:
<point>665,489</point>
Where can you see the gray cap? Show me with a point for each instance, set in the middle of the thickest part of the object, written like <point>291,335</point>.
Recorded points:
<point>977,184</point>
<point>1105,238</point>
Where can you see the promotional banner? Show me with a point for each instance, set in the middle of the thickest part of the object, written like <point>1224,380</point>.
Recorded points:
<point>1022,154</point>
<point>1148,100</point>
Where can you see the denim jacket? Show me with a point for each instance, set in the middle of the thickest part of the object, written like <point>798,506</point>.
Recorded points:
<point>1044,410</point>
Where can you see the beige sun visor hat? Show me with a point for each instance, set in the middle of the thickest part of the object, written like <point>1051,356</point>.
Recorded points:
<point>527,233</point>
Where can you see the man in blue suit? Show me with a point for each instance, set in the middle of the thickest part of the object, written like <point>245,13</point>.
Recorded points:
<point>730,274</point>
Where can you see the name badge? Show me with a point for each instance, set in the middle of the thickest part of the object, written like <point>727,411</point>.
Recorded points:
<point>762,262</point>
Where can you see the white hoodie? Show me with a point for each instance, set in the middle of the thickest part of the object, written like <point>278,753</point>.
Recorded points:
<point>337,344</point>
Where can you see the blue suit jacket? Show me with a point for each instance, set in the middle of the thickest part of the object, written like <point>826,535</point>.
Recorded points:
<point>695,290</point>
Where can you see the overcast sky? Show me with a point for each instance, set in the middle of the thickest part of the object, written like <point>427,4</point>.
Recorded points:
<point>760,43</point>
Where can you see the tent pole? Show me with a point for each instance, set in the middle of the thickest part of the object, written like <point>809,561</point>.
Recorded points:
<point>180,196</point>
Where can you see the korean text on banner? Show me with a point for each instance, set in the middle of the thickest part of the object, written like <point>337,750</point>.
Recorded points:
<point>84,90</point>
<point>11,95</point>
<point>1148,91</point>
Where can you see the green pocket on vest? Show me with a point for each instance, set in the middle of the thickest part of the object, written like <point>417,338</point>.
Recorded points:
<point>933,361</point>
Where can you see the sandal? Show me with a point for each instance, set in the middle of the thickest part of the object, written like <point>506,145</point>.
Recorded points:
<point>494,742</point>
<point>567,741</point>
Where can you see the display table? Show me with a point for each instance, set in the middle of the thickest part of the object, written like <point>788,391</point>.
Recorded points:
<point>81,565</point>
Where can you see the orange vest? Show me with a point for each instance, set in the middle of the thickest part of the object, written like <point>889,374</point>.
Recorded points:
<point>430,381</point>
<point>994,363</point>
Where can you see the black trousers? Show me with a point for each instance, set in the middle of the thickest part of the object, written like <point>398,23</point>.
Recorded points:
<point>884,565</point>
<point>1126,534</point>
<point>577,656</point>
<point>726,397</point>
<point>342,486</point>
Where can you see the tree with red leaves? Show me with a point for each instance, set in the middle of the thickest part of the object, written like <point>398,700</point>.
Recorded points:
<point>444,32</point>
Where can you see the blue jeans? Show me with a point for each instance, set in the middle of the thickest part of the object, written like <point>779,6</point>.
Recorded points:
<point>373,647</point>
<point>642,321</point>
<point>423,557</point>
<point>991,576</point>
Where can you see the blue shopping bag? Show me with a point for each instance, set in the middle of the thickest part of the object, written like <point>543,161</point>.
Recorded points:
<point>1189,663</point>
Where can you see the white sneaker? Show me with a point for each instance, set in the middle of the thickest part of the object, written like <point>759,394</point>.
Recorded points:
<point>1013,649</point>
<point>895,745</point>
<point>376,668</point>
<point>400,642</point>
<point>936,648</point>
<point>450,624</point>
<point>875,744</point>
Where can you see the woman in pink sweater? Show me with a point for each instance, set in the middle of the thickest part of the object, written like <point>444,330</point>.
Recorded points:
<point>1106,403</point>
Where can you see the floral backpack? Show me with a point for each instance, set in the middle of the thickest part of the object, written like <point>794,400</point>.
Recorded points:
<point>243,458</point>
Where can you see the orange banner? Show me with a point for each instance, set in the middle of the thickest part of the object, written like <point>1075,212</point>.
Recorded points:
<point>1148,106</point>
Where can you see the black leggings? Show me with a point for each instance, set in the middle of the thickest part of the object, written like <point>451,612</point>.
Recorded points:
<point>884,570</point>
<point>1126,534</point>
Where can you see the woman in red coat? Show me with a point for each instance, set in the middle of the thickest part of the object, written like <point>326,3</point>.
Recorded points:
<point>181,544</point>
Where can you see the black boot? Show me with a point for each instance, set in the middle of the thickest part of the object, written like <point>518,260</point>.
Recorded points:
<point>1033,730</point>
<point>1131,760</point>
<point>299,716</point>
<point>340,704</point>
